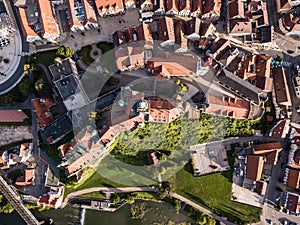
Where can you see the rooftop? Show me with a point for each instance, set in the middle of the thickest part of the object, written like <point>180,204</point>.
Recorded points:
<point>12,116</point>
<point>56,130</point>
<point>254,167</point>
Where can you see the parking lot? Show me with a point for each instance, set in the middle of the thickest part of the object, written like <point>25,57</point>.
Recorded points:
<point>209,158</point>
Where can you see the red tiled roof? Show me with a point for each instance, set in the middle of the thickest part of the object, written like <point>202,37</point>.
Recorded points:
<point>270,151</point>
<point>107,5</point>
<point>292,202</point>
<point>281,87</point>
<point>12,116</point>
<point>293,178</point>
<point>237,108</point>
<point>173,65</point>
<point>26,179</point>
<point>254,167</point>
<point>41,108</point>
<point>165,29</point>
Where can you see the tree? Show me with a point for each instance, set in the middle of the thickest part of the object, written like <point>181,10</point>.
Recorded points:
<point>65,51</point>
<point>177,204</point>
<point>42,87</point>
<point>5,206</point>
<point>29,68</point>
<point>25,86</point>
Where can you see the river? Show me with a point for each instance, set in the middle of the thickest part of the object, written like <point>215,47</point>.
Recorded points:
<point>156,212</point>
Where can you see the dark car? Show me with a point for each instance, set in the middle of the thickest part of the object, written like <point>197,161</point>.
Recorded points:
<point>290,51</point>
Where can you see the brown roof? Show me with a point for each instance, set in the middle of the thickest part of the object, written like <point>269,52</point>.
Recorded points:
<point>260,187</point>
<point>254,167</point>
<point>279,129</point>
<point>226,106</point>
<point>283,5</point>
<point>270,151</point>
<point>281,87</point>
<point>26,179</point>
<point>165,29</point>
<point>212,6</point>
<point>293,179</point>
<point>240,27</point>
<point>173,65</point>
<point>292,202</point>
<point>42,110</point>
<point>12,116</point>
<point>257,68</point>
<point>236,9</point>
<point>152,157</point>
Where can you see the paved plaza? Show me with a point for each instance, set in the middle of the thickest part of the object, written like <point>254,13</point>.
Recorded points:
<point>10,134</point>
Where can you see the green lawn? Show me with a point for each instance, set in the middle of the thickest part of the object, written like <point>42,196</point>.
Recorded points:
<point>85,55</point>
<point>89,180</point>
<point>93,195</point>
<point>46,58</point>
<point>214,192</point>
<point>105,46</point>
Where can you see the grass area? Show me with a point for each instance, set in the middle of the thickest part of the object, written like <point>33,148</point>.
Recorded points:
<point>105,46</point>
<point>90,179</point>
<point>214,193</point>
<point>14,144</point>
<point>85,55</point>
<point>46,58</point>
<point>93,195</point>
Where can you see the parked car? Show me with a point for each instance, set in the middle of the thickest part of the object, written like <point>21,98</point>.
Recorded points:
<point>269,221</point>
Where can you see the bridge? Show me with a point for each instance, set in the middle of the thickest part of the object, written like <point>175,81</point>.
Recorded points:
<point>16,202</point>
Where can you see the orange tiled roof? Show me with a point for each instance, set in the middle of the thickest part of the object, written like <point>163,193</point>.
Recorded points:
<point>28,31</point>
<point>107,5</point>
<point>90,13</point>
<point>73,20</point>
<point>48,20</point>
<point>173,65</point>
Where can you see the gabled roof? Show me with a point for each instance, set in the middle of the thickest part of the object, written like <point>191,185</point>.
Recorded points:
<point>28,31</point>
<point>165,27</point>
<point>227,106</point>
<point>293,178</point>
<point>281,88</point>
<point>254,167</point>
<point>48,20</point>
<point>12,116</point>
<point>236,9</point>
<point>270,151</point>
<point>240,86</point>
<point>292,202</point>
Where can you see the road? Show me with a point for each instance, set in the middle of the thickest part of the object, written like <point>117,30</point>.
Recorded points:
<point>15,72</point>
<point>16,202</point>
<point>201,209</point>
